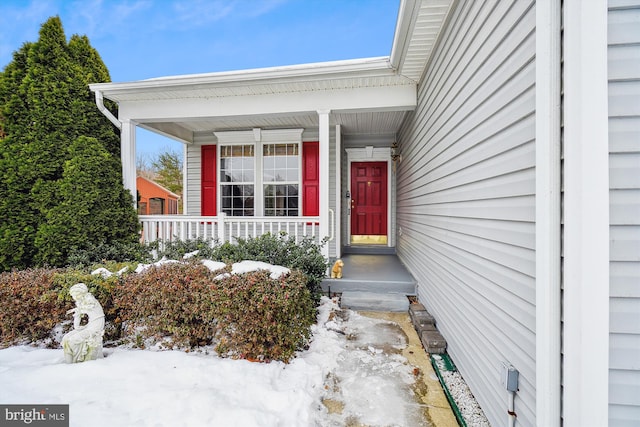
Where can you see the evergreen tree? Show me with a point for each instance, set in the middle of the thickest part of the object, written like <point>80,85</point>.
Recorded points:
<point>18,221</point>
<point>93,208</point>
<point>45,104</point>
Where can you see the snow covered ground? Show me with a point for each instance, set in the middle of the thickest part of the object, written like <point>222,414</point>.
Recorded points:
<point>351,365</point>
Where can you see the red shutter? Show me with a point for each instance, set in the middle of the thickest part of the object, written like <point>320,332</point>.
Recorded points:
<point>209,181</point>
<point>310,178</point>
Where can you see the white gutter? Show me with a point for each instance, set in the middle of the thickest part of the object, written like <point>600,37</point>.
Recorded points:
<point>378,66</point>
<point>548,213</point>
<point>105,111</point>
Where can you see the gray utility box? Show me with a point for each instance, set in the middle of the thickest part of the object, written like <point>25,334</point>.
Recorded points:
<point>510,377</point>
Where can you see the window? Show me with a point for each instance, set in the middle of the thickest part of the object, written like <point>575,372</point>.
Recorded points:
<point>281,177</point>
<point>260,173</point>
<point>173,206</point>
<point>156,206</point>
<point>237,175</point>
<point>142,208</point>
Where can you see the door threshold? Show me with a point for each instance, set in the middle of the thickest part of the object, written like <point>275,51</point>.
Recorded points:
<point>368,239</point>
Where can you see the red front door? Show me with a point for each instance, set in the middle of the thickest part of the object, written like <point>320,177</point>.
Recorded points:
<point>369,202</point>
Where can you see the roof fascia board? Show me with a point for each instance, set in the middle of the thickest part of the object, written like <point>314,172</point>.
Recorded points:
<point>378,66</point>
<point>390,98</point>
<point>407,15</point>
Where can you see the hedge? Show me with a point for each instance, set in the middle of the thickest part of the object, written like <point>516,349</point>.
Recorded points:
<point>183,305</point>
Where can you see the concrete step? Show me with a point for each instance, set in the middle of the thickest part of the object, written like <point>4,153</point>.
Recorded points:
<point>374,301</point>
<point>369,250</point>
<point>368,285</point>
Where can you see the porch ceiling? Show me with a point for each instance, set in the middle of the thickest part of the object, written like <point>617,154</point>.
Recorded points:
<point>352,123</point>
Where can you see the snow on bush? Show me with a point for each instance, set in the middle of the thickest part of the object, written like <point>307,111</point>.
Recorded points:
<point>261,311</point>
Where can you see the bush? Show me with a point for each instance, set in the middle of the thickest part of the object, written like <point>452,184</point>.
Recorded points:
<point>177,249</point>
<point>33,302</point>
<point>93,253</point>
<point>262,318</point>
<point>248,315</point>
<point>29,306</point>
<point>279,249</point>
<point>175,300</point>
<point>103,289</point>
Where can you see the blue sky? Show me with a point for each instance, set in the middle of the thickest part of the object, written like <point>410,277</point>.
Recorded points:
<point>140,39</point>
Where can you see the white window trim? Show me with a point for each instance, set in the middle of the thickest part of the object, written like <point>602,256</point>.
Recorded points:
<point>297,182</point>
<point>219,168</point>
<point>258,137</point>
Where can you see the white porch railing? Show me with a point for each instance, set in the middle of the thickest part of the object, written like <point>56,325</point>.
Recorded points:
<point>223,228</point>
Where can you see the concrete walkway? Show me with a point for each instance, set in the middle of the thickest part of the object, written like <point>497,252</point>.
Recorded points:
<point>376,286</point>
<point>438,412</point>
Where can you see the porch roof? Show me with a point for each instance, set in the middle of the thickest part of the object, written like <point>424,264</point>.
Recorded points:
<point>367,96</point>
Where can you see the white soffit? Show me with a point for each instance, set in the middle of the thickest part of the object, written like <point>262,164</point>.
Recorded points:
<point>419,25</point>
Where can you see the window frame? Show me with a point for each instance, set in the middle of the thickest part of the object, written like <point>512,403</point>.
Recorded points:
<point>259,138</point>
<point>297,183</point>
<point>222,183</point>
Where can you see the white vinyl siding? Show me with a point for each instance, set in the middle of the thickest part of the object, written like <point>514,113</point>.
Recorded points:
<point>466,198</point>
<point>194,174</point>
<point>624,199</point>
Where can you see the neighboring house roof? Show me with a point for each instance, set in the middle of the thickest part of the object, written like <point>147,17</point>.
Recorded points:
<point>158,186</point>
<point>417,30</point>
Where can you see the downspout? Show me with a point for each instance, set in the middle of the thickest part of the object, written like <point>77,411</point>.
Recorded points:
<point>105,111</point>
<point>127,147</point>
<point>185,180</point>
<point>548,213</point>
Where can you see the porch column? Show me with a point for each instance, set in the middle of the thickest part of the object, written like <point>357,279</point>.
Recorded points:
<point>128,156</point>
<point>185,180</point>
<point>338,214</point>
<point>586,215</point>
<point>324,177</point>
